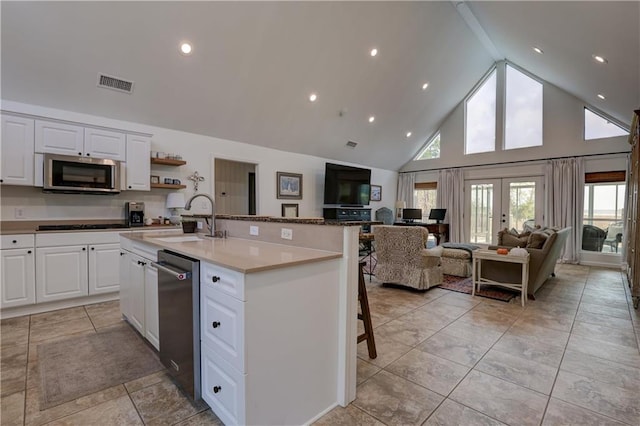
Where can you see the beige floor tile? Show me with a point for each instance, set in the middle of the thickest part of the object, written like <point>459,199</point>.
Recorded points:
<point>104,314</point>
<point>448,310</point>
<point>529,374</point>
<point>547,336</point>
<point>473,332</point>
<point>119,411</point>
<point>33,375</point>
<point>14,331</point>
<point>387,351</point>
<point>496,306</point>
<point>604,310</point>
<point>60,315</point>
<point>143,382</point>
<point>541,319</point>
<point>602,370</point>
<point>501,400</point>
<point>454,349</point>
<point>387,308</point>
<point>459,299</point>
<point>164,403</point>
<point>612,401</point>
<point>562,413</point>
<point>427,319</point>
<point>349,416</point>
<point>617,336</point>
<point>597,300</point>
<point>450,413</point>
<point>405,332</point>
<point>396,401</point>
<point>12,411</point>
<point>432,372</point>
<point>205,418</point>
<point>496,321</point>
<point>616,353</point>
<point>13,369</point>
<point>530,349</point>
<point>364,371</point>
<point>45,331</point>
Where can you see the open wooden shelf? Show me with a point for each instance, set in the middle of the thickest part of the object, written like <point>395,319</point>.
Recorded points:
<point>167,186</point>
<point>168,162</point>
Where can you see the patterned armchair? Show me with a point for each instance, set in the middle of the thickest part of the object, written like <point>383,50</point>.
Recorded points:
<point>403,258</point>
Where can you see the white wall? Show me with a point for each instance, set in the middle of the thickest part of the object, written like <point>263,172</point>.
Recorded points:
<point>199,152</point>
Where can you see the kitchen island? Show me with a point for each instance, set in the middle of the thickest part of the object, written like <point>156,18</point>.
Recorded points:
<point>285,352</point>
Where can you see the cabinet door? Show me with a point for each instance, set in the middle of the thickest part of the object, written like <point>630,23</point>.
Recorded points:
<point>125,283</point>
<point>136,276</point>
<point>138,167</point>
<point>61,273</point>
<point>59,138</point>
<point>17,151</point>
<point>18,278</point>
<point>104,144</point>
<point>104,268</point>
<point>151,320</point>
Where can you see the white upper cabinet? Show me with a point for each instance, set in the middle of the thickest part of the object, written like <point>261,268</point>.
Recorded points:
<point>59,138</point>
<point>104,144</point>
<point>17,150</point>
<point>138,167</point>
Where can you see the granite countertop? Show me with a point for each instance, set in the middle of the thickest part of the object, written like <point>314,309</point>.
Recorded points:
<point>301,220</point>
<point>242,255</point>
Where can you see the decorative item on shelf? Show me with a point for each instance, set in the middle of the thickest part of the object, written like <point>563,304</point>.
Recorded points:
<point>168,181</point>
<point>289,210</point>
<point>399,206</point>
<point>176,181</point>
<point>196,179</point>
<point>161,155</point>
<point>148,221</point>
<point>502,251</point>
<point>289,186</point>
<point>175,201</point>
<point>376,193</point>
<point>155,179</point>
<point>517,251</point>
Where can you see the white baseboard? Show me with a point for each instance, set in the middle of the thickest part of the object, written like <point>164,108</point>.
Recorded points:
<point>322,413</point>
<point>58,304</point>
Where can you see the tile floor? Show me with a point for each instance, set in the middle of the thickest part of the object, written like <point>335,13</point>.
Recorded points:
<point>444,358</point>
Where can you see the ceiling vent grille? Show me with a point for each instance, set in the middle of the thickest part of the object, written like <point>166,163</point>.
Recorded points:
<point>351,144</point>
<point>115,83</point>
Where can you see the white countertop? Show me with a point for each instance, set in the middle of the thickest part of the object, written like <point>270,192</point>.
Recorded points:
<point>242,255</point>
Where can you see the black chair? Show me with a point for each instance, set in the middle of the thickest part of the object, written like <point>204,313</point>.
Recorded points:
<point>593,238</point>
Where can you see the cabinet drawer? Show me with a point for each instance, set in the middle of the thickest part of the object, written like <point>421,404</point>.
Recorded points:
<point>222,326</point>
<point>225,280</point>
<point>17,241</point>
<point>223,388</point>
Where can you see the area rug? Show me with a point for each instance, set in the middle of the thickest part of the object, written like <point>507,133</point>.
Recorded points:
<point>86,364</point>
<point>463,285</point>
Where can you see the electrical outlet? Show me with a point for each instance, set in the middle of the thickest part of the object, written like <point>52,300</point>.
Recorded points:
<point>19,213</point>
<point>199,225</point>
<point>254,230</point>
<point>286,234</point>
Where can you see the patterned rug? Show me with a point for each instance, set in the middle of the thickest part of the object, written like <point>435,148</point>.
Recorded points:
<point>463,285</point>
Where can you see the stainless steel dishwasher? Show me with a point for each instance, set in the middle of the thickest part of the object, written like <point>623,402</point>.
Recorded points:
<point>179,315</point>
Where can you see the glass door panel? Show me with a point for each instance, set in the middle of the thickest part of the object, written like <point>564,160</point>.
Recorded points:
<point>481,208</point>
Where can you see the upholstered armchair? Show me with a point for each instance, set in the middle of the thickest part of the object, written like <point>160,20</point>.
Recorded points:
<point>593,238</point>
<point>403,258</point>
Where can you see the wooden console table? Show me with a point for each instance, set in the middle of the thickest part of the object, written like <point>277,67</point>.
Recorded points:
<point>439,230</point>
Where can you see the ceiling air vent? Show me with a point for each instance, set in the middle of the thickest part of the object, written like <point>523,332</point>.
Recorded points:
<point>351,144</point>
<point>115,83</point>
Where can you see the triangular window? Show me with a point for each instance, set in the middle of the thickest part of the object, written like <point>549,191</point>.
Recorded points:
<point>523,110</point>
<point>598,127</point>
<point>431,149</point>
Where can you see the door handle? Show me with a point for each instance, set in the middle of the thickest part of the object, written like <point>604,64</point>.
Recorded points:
<point>179,275</point>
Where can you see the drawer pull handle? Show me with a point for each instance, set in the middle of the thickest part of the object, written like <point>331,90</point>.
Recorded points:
<point>215,324</point>
<point>217,389</point>
<point>215,279</point>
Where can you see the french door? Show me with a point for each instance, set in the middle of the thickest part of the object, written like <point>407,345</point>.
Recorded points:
<point>495,204</point>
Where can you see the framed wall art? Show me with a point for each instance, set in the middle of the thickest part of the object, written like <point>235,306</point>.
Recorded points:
<point>289,210</point>
<point>376,193</point>
<point>289,186</point>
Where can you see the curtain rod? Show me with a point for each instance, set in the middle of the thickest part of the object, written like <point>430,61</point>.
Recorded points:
<point>515,162</point>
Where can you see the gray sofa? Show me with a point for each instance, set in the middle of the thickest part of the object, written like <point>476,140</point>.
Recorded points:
<point>542,260</point>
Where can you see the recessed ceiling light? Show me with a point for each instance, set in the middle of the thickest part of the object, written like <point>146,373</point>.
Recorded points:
<point>373,52</point>
<point>408,134</point>
<point>313,97</point>
<point>186,48</point>
<point>600,59</point>
<point>537,50</point>
<point>601,96</point>
<point>425,85</point>
<point>372,119</point>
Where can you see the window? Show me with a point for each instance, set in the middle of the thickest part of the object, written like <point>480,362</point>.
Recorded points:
<point>603,217</point>
<point>431,150</point>
<point>523,110</point>
<point>598,127</point>
<point>425,197</point>
<point>480,123</point>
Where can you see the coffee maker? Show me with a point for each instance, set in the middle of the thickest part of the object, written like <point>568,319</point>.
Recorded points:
<point>134,213</point>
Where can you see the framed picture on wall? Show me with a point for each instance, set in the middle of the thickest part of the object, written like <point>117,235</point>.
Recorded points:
<point>289,210</point>
<point>376,193</point>
<point>289,186</point>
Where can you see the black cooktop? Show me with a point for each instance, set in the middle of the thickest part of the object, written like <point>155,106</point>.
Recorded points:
<point>74,227</point>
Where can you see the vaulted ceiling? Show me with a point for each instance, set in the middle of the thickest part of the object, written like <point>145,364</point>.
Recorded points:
<point>254,65</point>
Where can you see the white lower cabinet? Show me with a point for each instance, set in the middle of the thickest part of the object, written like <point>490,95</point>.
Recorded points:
<point>104,264</point>
<point>223,387</point>
<point>61,273</point>
<point>18,277</point>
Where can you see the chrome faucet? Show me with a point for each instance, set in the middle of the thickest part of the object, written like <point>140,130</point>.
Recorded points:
<point>212,227</point>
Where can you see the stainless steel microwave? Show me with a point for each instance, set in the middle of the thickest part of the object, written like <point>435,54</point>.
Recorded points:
<point>70,174</point>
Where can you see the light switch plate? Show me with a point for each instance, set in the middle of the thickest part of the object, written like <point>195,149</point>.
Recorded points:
<point>254,230</point>
<point>286,234</point>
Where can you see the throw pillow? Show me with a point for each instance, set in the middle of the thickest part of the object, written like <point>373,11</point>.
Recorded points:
<point>537,239</point>
<point>512,241</point>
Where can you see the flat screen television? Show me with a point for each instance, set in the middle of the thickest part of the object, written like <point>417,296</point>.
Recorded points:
<point>437,214</point>
<point>346,185</point>
<point>409,215</point>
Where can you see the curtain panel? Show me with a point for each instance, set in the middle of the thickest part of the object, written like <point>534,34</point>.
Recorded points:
<point>406,186</point>
<point>450,196</point>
